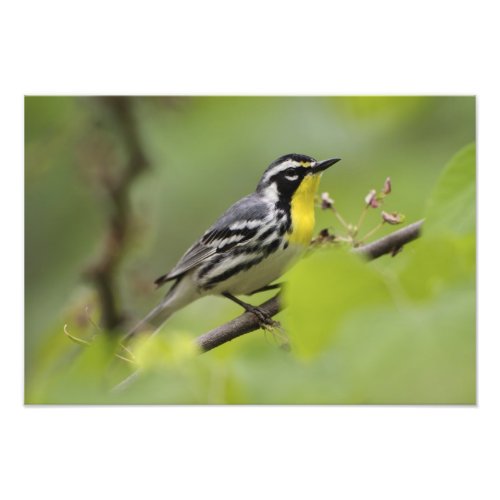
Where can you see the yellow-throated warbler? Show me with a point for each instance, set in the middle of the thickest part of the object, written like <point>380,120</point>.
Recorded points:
<point>252,244</point>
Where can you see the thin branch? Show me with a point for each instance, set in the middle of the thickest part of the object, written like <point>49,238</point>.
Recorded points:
<point>103,271</point>
<point>247,322</point>
<point>391,243</point>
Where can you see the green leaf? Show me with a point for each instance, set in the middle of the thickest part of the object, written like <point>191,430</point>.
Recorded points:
<point>411,354</point>
<point>321,290</point>
<point>436,263</point>
<point>451,208</point>
<point>397,333</point>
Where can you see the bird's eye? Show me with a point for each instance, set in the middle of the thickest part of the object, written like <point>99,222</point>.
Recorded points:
<point>291,175</point>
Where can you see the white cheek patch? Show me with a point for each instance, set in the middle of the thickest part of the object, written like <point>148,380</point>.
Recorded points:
<point>271,193</point>
<point>291,177</point>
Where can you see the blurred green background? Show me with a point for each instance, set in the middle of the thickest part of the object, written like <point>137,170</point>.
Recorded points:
<point>394,331</point>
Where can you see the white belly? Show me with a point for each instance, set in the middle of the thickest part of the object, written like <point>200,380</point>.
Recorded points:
<point>262,274</point>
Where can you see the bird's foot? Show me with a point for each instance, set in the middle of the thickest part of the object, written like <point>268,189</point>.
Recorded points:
<point>272,326</point>
<point>266,322</point>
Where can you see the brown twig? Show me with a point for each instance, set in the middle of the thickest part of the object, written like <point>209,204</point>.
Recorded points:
<point>102,273</point>
<point>390,243</point>
<point>247,322</point>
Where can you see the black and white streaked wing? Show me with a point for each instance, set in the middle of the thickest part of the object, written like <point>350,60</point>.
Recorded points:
<point>237,226</point>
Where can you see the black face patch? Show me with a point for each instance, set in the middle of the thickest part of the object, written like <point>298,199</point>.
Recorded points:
<point>288,180</point>
<point>290,167</point>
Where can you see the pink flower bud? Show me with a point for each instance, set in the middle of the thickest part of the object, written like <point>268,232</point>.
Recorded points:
<point>387,186</point>
<point>393,217</point>
<point>326,201</point>
<point>371,199</point>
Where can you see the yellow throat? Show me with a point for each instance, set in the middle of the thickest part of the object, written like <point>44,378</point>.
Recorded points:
<point>302,210</point>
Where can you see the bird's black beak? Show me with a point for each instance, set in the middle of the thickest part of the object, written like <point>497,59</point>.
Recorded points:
<point>323,165</point>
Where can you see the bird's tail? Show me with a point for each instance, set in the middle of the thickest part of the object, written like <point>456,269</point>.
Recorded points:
<point>177,297</point>
<point>152,321</point>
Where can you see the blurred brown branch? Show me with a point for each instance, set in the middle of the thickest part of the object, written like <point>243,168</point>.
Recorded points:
<point>248,322</point>
<point>117,187</point>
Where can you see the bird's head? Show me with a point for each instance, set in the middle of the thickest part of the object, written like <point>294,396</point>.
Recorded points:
<point>292,174</point>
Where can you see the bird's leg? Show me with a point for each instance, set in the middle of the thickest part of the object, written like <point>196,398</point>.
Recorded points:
<point>265,320</point>
<point>266,288</point>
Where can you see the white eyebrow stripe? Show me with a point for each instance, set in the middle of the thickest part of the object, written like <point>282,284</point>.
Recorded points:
<point>278,168</point>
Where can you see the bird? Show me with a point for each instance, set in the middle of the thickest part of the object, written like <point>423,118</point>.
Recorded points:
<point>250,246</point>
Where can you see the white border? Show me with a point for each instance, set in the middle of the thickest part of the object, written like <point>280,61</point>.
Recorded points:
<point>259,48</point>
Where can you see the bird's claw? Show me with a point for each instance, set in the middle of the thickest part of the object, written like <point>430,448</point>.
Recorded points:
<point>272,326</point>
<point>265,321</point>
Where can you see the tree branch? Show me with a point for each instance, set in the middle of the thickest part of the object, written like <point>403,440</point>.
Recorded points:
<point>247,322</point>
<point>391,243</point>
<point>102,272</point>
